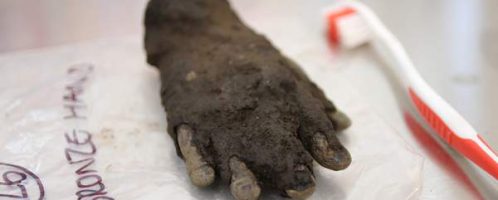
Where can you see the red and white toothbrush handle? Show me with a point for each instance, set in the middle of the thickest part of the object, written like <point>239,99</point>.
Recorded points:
<point>445,120</point>
<point>352,24</point>
<point>450,127</point>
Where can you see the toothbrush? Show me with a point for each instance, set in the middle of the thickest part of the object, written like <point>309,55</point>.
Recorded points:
<point>351,24</point>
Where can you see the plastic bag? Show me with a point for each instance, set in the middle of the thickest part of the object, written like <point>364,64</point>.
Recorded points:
<point>85,122</point>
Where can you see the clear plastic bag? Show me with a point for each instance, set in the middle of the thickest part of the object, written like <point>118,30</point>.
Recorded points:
<point>85,121</point>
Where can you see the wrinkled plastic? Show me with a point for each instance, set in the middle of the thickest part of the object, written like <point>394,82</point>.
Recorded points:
<point>53,100</point>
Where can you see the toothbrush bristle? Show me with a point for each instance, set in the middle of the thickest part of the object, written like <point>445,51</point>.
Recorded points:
<point>333,26</point>
<point>346,28</point>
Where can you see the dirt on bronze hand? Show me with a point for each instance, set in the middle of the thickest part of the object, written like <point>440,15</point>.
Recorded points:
<point>240,96</point>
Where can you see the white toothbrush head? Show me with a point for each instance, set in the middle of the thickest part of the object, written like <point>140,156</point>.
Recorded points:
<point>351,24</point>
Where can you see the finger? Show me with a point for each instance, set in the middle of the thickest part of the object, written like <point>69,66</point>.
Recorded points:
<point>329,152</point>
<point>304,184</point>
<point>201,174</point>
<point>243,184</point>
<point>340,120</point>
